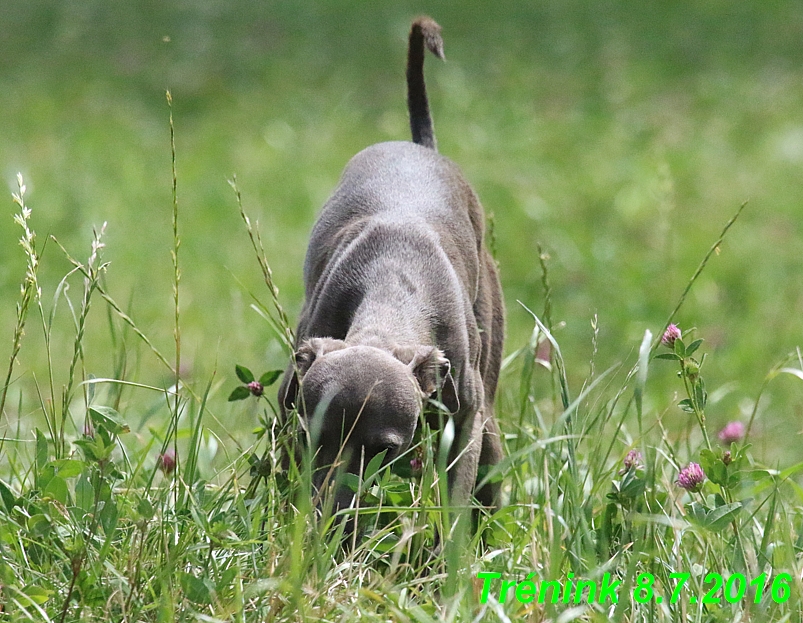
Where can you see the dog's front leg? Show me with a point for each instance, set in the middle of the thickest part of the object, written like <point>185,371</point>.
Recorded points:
<point>490,494</point>
<point>464,459</point>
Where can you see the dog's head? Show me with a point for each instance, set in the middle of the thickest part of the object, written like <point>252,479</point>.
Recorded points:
<point>358,401</point>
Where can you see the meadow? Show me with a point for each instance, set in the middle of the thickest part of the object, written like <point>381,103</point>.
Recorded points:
<point>612,144</point>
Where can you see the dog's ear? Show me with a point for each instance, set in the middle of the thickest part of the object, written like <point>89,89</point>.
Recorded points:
<point>313,348</point>
<point>434,373</point>
<point>305,356</point>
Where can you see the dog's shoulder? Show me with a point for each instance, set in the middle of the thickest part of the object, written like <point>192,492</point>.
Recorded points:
<point>402,181</point>
<point>400,184</point>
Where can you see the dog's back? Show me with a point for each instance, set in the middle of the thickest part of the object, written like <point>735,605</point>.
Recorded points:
<point>403,183</point>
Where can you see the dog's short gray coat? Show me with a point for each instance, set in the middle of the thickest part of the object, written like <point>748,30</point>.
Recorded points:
<point>403,303</point>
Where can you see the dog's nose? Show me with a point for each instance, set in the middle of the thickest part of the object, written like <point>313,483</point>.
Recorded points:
<point>389,444</point>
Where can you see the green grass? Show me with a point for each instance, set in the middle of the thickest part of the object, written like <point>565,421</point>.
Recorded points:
<point>620,138</point>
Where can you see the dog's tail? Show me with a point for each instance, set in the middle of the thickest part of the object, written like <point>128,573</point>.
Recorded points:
<point>425,31</point>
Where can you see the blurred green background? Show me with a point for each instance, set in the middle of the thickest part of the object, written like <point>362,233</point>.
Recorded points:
<point>619,135</point>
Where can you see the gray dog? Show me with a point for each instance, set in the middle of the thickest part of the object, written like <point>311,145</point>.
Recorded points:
<point>403,304</point>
